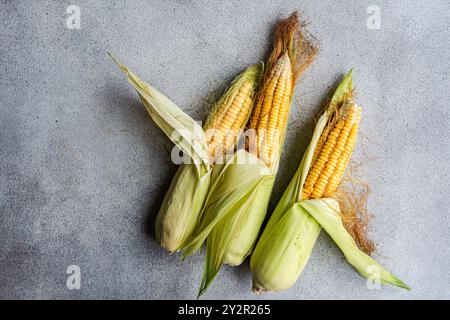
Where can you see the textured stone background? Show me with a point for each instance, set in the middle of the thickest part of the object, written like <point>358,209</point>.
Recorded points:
<point>83,169</point>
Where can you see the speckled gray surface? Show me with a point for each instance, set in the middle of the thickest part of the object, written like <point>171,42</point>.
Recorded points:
<point>83,169</point>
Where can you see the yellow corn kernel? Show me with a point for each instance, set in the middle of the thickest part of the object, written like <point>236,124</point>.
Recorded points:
<point>320,143</point>
<point>330,160</point>
<point>336,177</point>
<point>268,90</point>
<point>229,118</point>
<point>271,112</point>
<point>319,165</point>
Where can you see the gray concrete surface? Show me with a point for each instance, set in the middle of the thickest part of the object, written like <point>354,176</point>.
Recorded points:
<point>83,169</point>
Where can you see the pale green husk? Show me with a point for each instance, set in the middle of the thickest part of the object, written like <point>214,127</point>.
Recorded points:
<point>234,211</point>
<point>287,241</point>
<point>283,250</point>
<point>171,119</point>
<point>326,213</point>
<point>183,202</point>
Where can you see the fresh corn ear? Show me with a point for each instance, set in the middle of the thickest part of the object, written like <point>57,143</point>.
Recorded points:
<point>180,211</point>
<point>182,204</point>
<point>240,190</point>
<point>308,205</point>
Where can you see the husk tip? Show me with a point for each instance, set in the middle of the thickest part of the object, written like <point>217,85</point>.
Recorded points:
<point>113,58</point>
<point>402,285</point>
<point>119,64</point>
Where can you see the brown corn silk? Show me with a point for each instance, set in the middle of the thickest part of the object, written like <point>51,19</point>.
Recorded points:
<point>352,195</point>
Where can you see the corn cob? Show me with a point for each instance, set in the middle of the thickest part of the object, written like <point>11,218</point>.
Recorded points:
<point>271,113</point>
<point>339,139</point>
<point>291,55</point>
<point>307,204</point>
<point>182,203</point>
<point>240,190</point>
<point>230,116</point>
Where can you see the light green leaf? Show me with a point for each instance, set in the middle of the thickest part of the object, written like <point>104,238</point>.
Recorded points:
<point>180,210</point>
<point>343,90</point>
<point>234,211</point>
<point>231,186</point>
<point>184,131</point>
<point>326,213</point>
<point>283,251</point>
<point>233,237</point>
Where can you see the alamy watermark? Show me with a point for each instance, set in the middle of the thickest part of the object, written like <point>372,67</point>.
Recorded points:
<point>73,21</point>
<point>74,279</point>
<point>374,278</point>
<point>374,18</point>
<point>220,145</point>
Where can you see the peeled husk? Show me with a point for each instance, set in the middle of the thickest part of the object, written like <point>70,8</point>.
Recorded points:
<point>240,190</point>
<point>286,243</point>
<point>180,210</point>
<point>182,205</point>
<point>235,208</point>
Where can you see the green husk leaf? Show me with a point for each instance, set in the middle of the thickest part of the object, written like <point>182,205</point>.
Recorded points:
<point>234,211</point>
<point>234,236</point>
<point>229,190</point>
<point>184,131</point>
<point>289,244</point>
<point>180,211</point>
<point>277,268</point>
<point>326,213</point>
<point>294,190</point>
<point>249,219</point>
<point>343,90</point>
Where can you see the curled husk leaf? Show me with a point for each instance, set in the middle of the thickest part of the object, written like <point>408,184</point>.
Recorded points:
<point>240,190</point>
<point>286,243</point>
<point>182,204</point>
<point>234,211</point>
